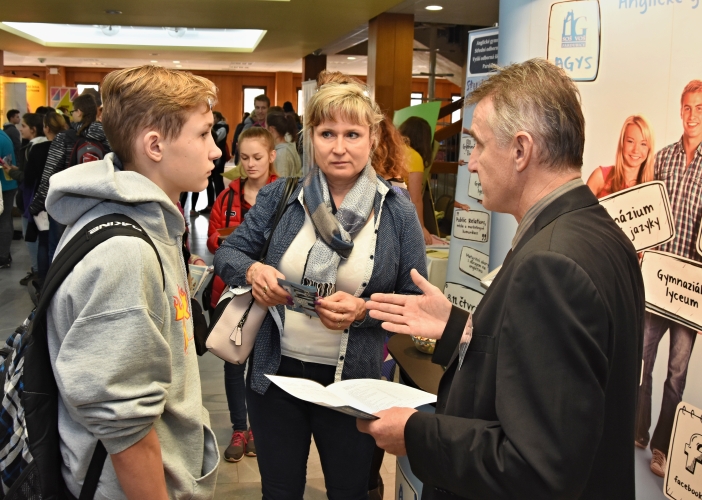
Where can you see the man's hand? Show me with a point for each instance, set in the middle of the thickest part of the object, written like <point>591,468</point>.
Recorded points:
<point>389,430</point>
<point>423,315</point>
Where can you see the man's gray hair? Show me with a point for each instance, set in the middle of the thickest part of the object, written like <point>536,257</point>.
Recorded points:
<point>537,97</point>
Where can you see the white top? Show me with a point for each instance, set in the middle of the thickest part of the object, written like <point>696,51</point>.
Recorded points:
<point>304,337</point>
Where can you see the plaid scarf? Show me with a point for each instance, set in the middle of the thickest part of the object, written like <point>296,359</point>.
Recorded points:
<point>335,232</point>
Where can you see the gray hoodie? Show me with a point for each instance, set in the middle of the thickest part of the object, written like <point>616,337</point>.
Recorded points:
<point>122,350</point>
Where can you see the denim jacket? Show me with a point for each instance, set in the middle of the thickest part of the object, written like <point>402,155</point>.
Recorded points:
<point>399,247</point>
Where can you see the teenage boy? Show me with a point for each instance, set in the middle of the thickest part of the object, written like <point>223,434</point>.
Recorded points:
<point>121,348</point>
<point>679,166</point>
<point>258,117</point>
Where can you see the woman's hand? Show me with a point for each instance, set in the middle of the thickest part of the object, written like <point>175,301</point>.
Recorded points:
<point>428,240</point>
<point>339,310</point>
<point>264,285</point>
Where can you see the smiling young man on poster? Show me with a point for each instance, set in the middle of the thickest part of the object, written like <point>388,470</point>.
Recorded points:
<point>679,166</point>
<point>538,398</point>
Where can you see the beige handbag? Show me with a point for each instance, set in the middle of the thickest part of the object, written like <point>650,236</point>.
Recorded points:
<point>238,317</point>
<point>233,334</point>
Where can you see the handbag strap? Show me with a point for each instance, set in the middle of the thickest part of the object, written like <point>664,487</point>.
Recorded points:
<point>290,184</point>
<point>230,194</point>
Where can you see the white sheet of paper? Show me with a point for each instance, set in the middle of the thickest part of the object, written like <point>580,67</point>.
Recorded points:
<point>307,390</point>
<point>372,396</point>
<point>367,395</point>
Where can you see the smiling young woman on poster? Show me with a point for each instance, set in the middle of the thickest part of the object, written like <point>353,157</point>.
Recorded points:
<point>634,162</point>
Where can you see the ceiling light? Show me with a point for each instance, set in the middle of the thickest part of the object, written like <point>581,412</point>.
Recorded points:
<point>81,35</point>
<point>113,12</point>
<point>176,62</point>
<point>179,65</point>
<point>433,7</point>
<point>154,61</point>
<point>351,58</point>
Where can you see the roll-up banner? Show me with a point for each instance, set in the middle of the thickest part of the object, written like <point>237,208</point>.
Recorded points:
<point>634,58</point>
<point>469,255</point>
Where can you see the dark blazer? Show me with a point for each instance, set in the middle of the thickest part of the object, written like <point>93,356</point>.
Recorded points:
<point>544,404</point>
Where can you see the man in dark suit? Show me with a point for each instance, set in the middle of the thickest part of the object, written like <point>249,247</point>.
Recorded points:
<point>539,395</point>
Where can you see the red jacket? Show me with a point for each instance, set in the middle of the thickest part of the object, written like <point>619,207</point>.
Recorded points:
<point>218,220</point>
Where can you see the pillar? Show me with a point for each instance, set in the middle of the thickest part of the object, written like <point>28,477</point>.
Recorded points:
<point>284,89</point>
<point>390,51</point>
<point>2,62</point>
<point>312,66</point>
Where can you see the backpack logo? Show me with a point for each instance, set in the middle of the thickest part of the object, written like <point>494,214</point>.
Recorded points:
<point>112,224</point>
<point>86,150</point>
<point>182,309</point>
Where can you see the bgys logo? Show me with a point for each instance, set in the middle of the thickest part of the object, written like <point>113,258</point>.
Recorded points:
<point>572,37</point>
<point>693,450</point>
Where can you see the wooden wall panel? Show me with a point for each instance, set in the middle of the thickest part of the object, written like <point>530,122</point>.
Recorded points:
<point>229,83</point>
<point>26,72</point>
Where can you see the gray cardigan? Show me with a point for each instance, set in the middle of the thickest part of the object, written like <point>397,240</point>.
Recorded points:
<point>399,247</point>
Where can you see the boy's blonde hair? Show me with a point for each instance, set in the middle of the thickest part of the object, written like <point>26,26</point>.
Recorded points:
<point>150,97</point>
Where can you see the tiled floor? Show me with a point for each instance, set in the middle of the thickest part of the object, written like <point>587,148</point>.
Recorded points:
<point>240,480</point>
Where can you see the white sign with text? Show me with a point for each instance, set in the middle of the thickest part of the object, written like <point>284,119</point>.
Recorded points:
<point>471,225</point>
<point>475,189</point>
<point>462,296</point>
<point>683,474</point>
<point>673,287</point>
<point>474,262</point>
<point>643,213</point>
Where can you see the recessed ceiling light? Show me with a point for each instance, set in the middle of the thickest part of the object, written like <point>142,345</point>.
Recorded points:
<point>113,12</point>
<point>179,65</point>
<point>176,62</point>
<point>351,58</point>
<point>433,7</point>
<point>81,35</point>
<point>154,61</point>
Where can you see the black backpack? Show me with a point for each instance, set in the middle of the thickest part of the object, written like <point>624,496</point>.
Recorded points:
<point>84,149</point>
<point>30,464</point>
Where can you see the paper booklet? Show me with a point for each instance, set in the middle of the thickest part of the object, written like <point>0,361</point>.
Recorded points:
<point>198,276</point>
<point>360,398</point>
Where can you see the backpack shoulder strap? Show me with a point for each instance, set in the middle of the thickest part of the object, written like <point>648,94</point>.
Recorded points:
<point>95,232</point>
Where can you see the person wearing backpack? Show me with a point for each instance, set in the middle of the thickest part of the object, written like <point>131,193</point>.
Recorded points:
<point>83,142</point>
<point>122,350</point>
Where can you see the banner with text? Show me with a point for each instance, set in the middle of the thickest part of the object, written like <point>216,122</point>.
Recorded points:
<point>469,254</point>
<point>643,213</point>
<point>673,287</point>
